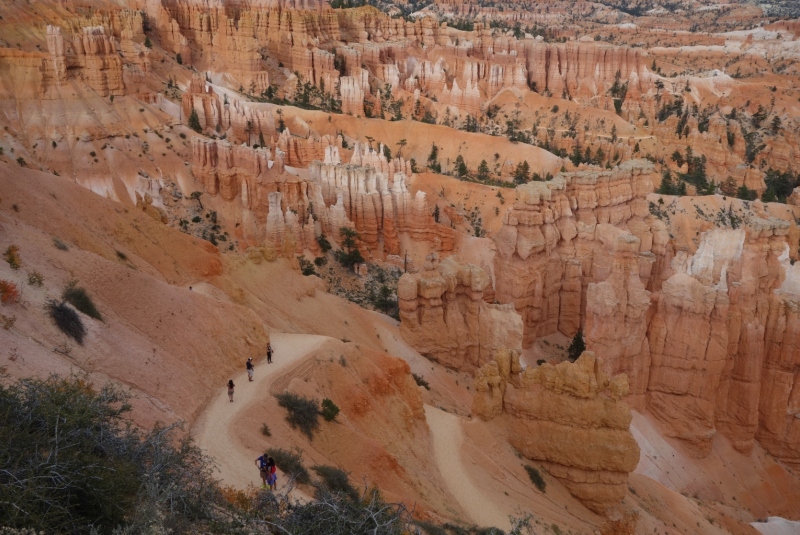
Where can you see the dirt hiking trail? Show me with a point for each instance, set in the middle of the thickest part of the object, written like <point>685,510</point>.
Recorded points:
<point>212,431</point>
<point>447,440</point>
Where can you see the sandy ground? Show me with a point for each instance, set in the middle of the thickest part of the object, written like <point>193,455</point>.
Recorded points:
<point>212,430</point>
<point>777,526</point>
<point>448,438</point>
<point>755,480</point>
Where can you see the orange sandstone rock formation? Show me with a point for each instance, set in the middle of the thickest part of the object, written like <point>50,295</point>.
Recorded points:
<point>369,195</point>
<point>571,417</point>
<point>443,315</point>
<point>553,242</point>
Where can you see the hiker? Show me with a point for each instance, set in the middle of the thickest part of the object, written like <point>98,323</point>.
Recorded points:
<point>250,368</point>
<point>230,390</point>
<point>269,353</point>
<point>272,477</point>
<point>262,463</point>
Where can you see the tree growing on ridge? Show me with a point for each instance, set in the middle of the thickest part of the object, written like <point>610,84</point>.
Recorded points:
<point>577,347</point>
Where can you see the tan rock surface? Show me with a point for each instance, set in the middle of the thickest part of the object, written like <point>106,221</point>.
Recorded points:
<point>443,315</point>
<point>549,239</point>
<point>571,418</point>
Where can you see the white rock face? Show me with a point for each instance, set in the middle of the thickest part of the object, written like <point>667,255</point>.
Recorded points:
<point>776,525</point>
<point>718,249</point>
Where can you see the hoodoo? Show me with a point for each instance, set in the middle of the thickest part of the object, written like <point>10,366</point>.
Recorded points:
<point>424,268</point>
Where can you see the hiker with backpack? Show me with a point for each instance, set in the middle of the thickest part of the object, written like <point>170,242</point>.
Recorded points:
<point>250,369</point>
<point>269,353</point>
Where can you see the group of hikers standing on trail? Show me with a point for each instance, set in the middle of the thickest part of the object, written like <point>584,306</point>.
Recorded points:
<point>265,463</point>
<point>250,371</point>
<point>268,470</point>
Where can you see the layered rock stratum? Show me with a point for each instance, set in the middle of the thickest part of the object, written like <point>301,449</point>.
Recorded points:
<point>497,178</point>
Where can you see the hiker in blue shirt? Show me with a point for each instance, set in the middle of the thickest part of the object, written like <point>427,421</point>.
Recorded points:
<point>263,468</point>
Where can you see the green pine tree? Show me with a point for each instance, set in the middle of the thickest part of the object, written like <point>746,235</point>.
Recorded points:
<point>483,170</point>
<point>461,166</point>
<point>522,173</point>
<point>194,122</point>
<point>577,347</point>
<point>667,186</point>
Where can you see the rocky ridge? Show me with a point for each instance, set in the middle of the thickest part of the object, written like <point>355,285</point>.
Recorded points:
<point>570,417</point>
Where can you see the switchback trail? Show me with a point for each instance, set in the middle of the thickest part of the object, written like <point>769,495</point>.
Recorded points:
<point>213,432</point>
<point>447,440</point>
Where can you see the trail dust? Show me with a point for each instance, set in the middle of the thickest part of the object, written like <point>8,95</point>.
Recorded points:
<point>213,432</point>
<point>447,440</point>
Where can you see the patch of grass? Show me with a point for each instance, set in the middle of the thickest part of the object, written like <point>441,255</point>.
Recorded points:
<point>80,299</point>
<point>303,413</point>
<point>60,245</point>
<point>67,320</point>
<point>291,463</point>
<point>265,430</point>
<point>336,480</point>
<point>12,257</point>
<point>420,380</point>
<point>536,478</point>
<point>35,278</point>
<point>329,410</point>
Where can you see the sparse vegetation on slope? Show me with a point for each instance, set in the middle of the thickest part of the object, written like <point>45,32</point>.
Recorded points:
<point>67,320</point>
<point>72,465</point>
<point>80,299</point>
<point>290,463</point>
<point>303,413</point>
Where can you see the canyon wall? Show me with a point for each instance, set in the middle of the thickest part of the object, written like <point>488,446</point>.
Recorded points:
<point>304,38</point>
<point>443,315</point>
<point>368,195</point>
<point>694,332</point>
<point>714,365</point>
<point>555,240</point>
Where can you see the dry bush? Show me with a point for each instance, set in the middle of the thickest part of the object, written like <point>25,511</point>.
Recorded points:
<point>80,299</point>
<point>67,320</point>
<point>7,321</point>
<point>303,413</point>
<point>12,257</point>
<point>9,293</point>
<point>35,278</point>
<point>536,477</point>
